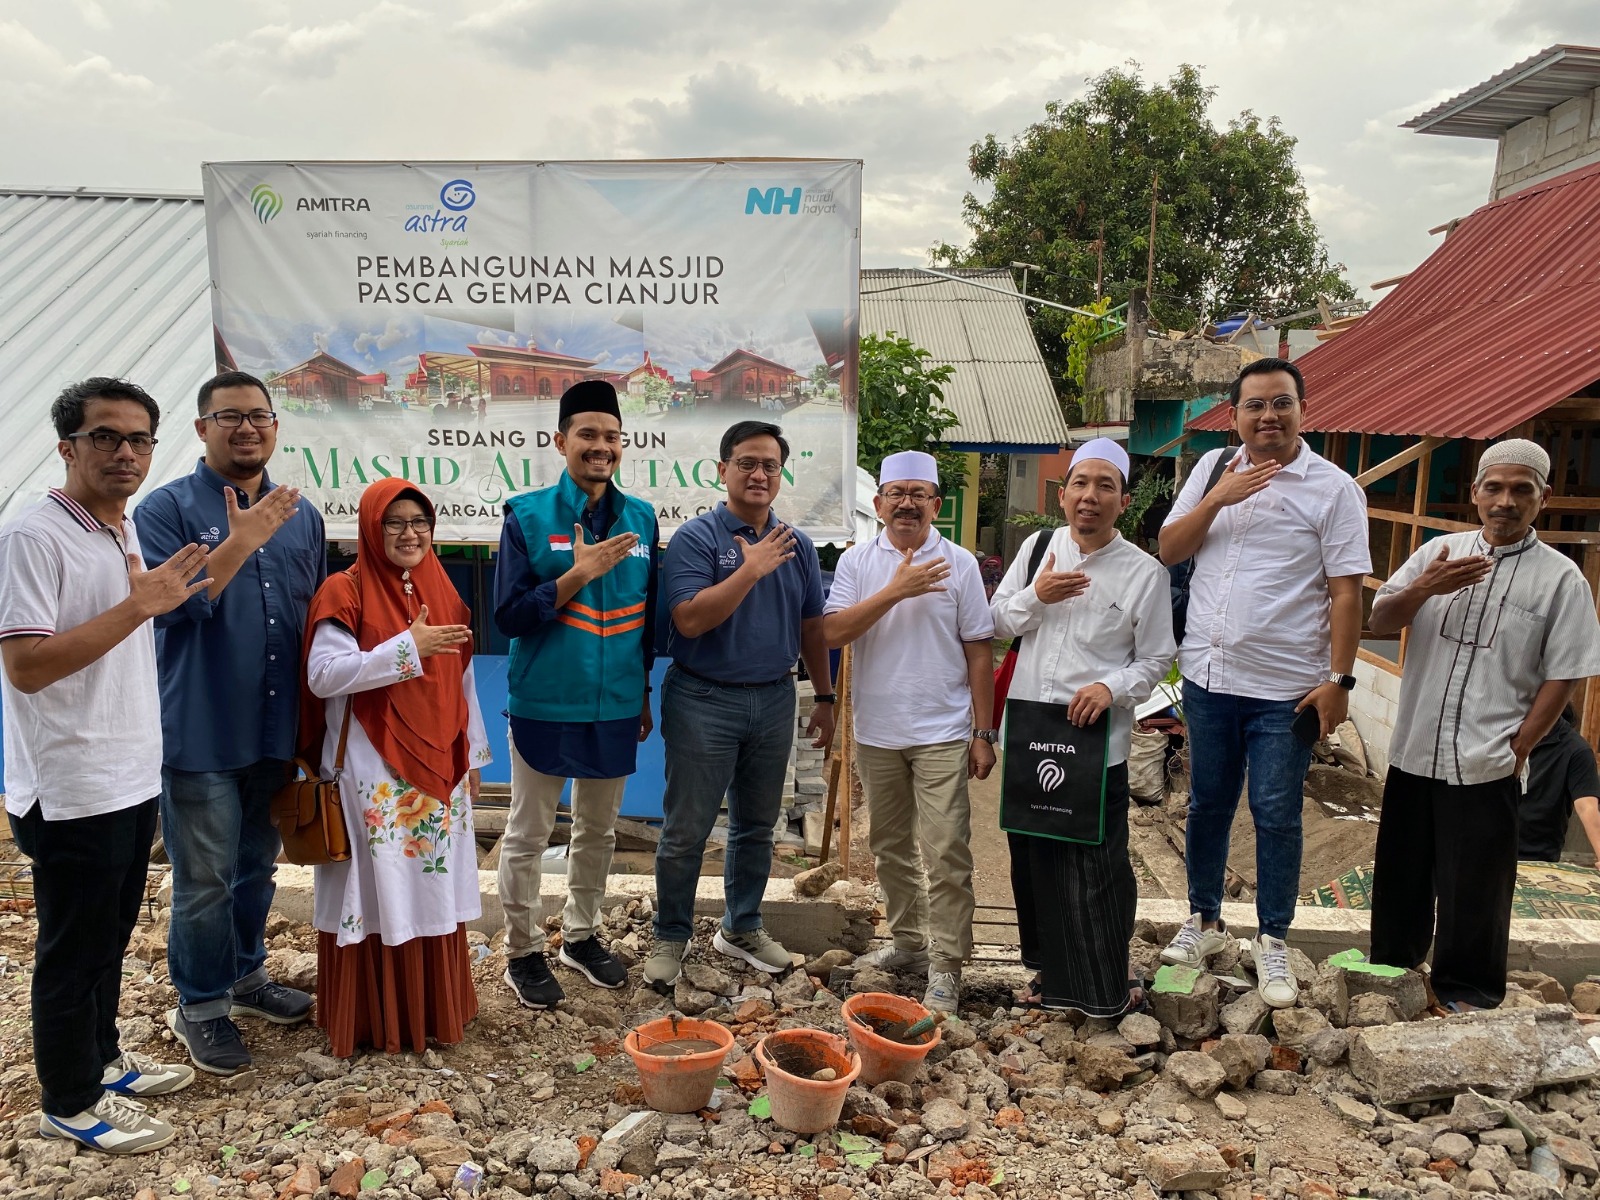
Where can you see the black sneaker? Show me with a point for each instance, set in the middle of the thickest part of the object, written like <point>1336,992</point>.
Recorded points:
<point>530,978</point>
<point>595,961</point>
<point>274,1002</point>
<point>214,1045</point>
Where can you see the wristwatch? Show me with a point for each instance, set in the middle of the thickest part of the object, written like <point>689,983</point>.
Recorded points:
<point>828,699</point>
<point>989,735</point>
<point>1347,682</point>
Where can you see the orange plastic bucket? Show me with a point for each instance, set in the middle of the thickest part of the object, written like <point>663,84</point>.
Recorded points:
<point>677,1082</point>
<point>882,1059</point>
<point>799,1103</point>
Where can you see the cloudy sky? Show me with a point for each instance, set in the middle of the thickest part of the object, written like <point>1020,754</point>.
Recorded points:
<point>137,93</point>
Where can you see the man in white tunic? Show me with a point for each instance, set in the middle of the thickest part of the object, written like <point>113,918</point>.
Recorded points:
<point>1502,629</point>
<point>913,603</point>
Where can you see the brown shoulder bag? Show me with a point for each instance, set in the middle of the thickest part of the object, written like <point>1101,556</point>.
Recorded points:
<point>308,812</point>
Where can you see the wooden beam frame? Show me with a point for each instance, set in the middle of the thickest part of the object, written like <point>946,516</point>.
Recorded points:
<point>1410,454</point>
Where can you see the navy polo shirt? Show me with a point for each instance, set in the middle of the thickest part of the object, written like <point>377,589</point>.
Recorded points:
<point>760,640</point>
<point>230,667</point>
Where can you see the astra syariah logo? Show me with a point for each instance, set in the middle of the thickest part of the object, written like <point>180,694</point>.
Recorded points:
<point>266,202</point>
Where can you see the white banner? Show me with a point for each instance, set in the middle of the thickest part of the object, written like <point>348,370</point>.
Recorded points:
<point>422,320</point>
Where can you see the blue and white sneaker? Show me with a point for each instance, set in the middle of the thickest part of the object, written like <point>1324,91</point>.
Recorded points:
<point>115,1125</point>
<point>135,1075</point>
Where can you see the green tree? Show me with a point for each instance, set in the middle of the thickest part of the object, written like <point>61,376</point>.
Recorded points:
<point>901,407</point>
<point>821,378</point>
<point>1233,230</point>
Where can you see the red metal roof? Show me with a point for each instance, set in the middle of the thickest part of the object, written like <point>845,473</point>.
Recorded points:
<point>1498,324</point>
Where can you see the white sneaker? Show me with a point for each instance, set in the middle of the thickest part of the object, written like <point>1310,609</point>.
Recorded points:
<point>1275,981</point>
<point>135,1075</point>
<point>115,1125</point>
<point>944,992</point>
<point>1194,943</point>
<point>892,958</point>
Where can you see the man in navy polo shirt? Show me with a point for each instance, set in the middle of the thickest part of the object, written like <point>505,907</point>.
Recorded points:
<point>230,665</point>
<point>745,594</point>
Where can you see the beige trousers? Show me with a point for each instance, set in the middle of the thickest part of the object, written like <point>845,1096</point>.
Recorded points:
<point>921,835</point>
<point>534,797</point>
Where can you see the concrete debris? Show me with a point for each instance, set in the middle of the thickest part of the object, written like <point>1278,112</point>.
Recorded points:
<point>1185,1167</point>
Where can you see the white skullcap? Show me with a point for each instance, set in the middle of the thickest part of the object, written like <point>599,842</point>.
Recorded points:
<point>909,464</point>
<point>1516,452</point>
<point>1104,449</point>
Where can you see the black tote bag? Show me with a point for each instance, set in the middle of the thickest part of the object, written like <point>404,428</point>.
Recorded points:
<point>1053,781</point>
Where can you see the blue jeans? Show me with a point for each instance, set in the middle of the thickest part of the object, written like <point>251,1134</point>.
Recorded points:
<point>218,830</point>
<point>1226,735</point>
<point>720,740</point>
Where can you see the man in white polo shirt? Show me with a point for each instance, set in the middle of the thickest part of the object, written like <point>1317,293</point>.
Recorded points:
<point>1279,540</point>
<point>83,755</point>
<point>914,604</point>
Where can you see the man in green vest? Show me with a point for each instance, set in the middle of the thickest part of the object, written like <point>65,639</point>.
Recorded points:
<point>575,590</point>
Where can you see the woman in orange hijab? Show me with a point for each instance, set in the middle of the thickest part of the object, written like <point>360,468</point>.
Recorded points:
<point>388,667</point>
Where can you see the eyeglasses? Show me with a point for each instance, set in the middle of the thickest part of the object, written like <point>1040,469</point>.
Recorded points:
<point>1475,639</point>
<point>1279,404</point>
<point>749,466</point>
<point>398,525</point>
<point>228,418</point>
<point>895,496</point>
<point>107,442</point>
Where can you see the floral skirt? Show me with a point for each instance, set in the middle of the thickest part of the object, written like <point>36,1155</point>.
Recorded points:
<point>394,998</point>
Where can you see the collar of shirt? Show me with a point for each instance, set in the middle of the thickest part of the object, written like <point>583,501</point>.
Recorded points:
<point>886,545</point>
<point>1295,466</point>
<point>219,483</point>
<point>733,524</point>
<point>84,517</point>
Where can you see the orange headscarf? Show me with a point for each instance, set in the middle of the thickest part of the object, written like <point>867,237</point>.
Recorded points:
<point>418,725</point>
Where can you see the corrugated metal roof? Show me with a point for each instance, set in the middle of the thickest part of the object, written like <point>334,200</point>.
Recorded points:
<point>1001,390</point>
<point>1495,326</point>
<point>1529,89</point>
<point>98,284</point>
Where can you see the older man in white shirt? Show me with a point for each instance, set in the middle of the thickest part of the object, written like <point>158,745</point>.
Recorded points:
<point>914,605</point>
<point>1097,622</point>
<point>1279,540</point>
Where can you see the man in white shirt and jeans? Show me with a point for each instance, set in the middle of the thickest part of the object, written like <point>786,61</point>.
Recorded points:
<point>1280,550</point>
<point>83,755</point>
<point>914,605</point>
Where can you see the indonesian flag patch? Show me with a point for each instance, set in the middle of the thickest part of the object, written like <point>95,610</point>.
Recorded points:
<point>561,541</point>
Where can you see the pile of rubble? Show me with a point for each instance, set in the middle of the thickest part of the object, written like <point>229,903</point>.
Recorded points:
<point>1353,1093</point>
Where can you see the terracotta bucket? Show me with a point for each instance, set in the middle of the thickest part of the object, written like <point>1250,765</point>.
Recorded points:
<point>882,1059</point>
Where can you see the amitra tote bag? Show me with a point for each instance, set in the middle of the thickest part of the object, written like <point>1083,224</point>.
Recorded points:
<point>1053,782</point>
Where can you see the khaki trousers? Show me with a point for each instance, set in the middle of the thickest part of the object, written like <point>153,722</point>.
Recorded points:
<point>917,799</point>
<point>534,797</point>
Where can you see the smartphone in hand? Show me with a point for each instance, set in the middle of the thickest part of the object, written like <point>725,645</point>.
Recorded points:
<point>1308,725</point>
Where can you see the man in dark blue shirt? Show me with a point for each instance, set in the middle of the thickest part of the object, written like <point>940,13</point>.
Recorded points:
<point>745,594</point>
<point>229,662</point>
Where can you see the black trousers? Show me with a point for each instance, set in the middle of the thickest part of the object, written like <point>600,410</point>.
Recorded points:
<point>1075,910</point>
<point>1445,871</point>
<point>88,884</point>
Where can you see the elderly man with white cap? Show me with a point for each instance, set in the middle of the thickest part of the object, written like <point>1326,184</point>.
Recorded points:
<point>1096,617</point>
<point>1502,628</point>
<point>913,603</point>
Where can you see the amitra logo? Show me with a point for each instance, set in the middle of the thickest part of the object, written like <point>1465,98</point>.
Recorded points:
<point>457,196</point>
<point>266,202</point>
<point>332,204</point>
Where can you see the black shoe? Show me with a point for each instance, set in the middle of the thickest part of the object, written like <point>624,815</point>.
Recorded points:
<point>530,978</point>
<point>276,1003</point>
<point>595,961</point>
<point>214,1045</point>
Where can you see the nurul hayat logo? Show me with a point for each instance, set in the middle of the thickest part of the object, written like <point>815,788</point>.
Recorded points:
<point>266,202</point>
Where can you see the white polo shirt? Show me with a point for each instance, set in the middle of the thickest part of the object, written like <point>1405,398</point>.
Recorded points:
<point>1258,622</point>
<point>909,684</point>
<point>90,743</point>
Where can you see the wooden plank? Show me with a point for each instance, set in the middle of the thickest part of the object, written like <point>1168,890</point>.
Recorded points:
<point>1377,660</point>
<point>1419,504</point>
<point>1409,455</point>
<point>1365,459</point>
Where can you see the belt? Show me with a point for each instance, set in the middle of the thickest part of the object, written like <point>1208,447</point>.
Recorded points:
<point>724,683</point>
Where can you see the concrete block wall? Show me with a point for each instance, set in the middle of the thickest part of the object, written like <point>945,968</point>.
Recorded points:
<point>1372,708</point>
<point>1563,139</point>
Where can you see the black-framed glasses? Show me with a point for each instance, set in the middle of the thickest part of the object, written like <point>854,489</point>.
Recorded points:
<point>230,418</point>
<point>1278,404</point>
<point>398,525</point>
<point>749,466</point>
<point>895,496</point>
<point>1473,638</point>
<point>108,442</point>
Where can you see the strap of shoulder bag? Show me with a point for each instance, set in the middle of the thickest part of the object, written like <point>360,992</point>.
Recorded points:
<point>1040,545</point>
<point>344,736</point>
